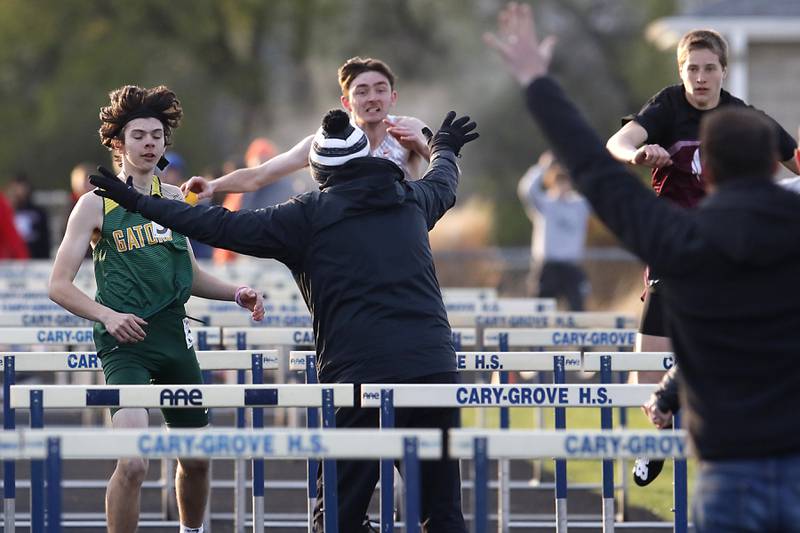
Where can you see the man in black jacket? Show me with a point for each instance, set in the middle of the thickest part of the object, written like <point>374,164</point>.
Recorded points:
<point>729,272</point>
<point>359,251</point>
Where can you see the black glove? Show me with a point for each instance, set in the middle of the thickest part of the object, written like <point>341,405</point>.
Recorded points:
<point>452,135</point>
<point>110,186</point>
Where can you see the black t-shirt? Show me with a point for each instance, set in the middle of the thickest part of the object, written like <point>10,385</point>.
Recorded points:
<point>673,123</point>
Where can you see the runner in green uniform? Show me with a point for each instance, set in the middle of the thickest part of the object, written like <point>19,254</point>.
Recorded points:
<point>145,273</point>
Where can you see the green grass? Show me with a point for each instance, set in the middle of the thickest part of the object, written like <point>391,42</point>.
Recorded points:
<point>655,498</point>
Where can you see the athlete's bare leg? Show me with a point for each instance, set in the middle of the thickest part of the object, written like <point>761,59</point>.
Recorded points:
<point>122,493</point>
<point>191,488</point>
<point>649,343</point>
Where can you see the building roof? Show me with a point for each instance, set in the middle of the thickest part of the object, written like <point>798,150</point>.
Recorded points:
<point>745,8</point>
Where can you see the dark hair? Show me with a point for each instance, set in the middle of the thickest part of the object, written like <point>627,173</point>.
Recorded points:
<point>130,102</point>
<point>738,142</point>
<point>355,66</point>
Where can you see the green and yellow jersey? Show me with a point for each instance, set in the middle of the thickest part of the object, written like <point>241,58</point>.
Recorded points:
<point>140,267</point>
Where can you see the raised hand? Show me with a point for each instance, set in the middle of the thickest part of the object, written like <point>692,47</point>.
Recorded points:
<point>453,134</point>
<point>517,44</point>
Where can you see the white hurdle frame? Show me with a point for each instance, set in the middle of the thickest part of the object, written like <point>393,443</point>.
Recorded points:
<point>506,338</point>
<point>86,361</point>
<point>410,445</point>
<point>499,444</point>
<point>558,395</point>
<point>39,397</point>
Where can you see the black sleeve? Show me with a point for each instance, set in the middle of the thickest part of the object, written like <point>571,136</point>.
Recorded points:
<point>278,231</point>
<point>667,392</point>
<point>662,235</point>
<point>436,191</point>
<point>655,117</point>
<point>786,143</point>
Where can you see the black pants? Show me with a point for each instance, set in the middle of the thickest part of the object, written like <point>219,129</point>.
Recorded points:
<point>440,479</point>
<point>558,278</point>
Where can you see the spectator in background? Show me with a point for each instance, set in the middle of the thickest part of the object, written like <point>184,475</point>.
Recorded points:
<point>32,222</point>
<point>174,174</point>
<point>79,183</point>
<point>11,244</point>
<point>79,180</point>
<point>259,151</point>
<point>175,171</point>
<point>559,216</point>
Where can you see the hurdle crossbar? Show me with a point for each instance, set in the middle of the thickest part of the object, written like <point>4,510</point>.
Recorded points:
<point>629,360</point>
<point>464,395</point>
<point>85,335</point>
<point>558,337</point>
<point>305,336</point>
<point>181,396</point>
<point>583,444</point>
<point>275,443</point>
<point>481,361</point>
<point>89,361</point>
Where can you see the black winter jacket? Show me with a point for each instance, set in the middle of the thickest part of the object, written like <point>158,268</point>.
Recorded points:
<point>729,272</point>
<point>360,254</point>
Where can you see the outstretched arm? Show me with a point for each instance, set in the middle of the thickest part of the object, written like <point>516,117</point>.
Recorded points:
<point>252,179</point>
<point>662,235</point>
<point>279,232</point>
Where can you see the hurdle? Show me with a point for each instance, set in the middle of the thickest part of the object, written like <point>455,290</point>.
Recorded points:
<point>61,336</point>
<point>245,336</point>
<point>390,396</point>
<point>505,338</point>
<point>11,362</point>
<point>37,398</point>
<point>462,304</point>
<point>554,319</point>
<point>465,362</point>
<point>328,445</point>
<point>498,444</point>
<point>605,363</point>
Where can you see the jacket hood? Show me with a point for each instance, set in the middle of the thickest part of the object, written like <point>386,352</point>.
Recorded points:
<point>360,186</point>
<point>755,221</point>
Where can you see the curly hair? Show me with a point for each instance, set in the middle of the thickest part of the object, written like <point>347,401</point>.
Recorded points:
<point>131,102</point>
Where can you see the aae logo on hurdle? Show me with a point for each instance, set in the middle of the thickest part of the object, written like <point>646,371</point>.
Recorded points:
<point>177,397</point>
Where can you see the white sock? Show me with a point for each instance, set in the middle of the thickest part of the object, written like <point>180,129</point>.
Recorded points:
<point>185,529</point>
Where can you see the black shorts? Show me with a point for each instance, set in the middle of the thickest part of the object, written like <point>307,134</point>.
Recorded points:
<point>652,322</point>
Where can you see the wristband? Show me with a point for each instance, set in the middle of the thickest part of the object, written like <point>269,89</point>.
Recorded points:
<point>239,294</point>
<point>797,157</point>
